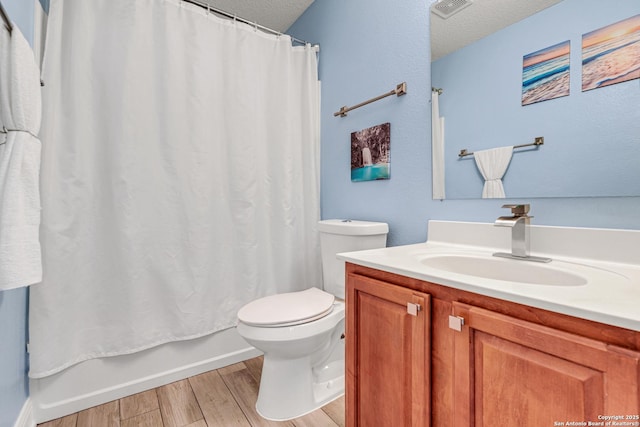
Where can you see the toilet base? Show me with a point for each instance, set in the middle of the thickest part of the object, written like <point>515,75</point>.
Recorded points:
<point>290,389</point>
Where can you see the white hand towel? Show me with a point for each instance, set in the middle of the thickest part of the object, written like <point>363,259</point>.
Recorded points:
<point>20,114</point>
<point>493,164</point>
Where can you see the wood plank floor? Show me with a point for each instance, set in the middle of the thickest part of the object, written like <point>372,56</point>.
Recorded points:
<point>225,397</point>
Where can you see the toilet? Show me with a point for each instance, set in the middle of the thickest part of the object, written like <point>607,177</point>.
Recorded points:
<point>302,333</point>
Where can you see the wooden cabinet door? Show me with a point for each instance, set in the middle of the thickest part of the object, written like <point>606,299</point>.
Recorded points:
<point>387,355</point>
<point>512,372</point>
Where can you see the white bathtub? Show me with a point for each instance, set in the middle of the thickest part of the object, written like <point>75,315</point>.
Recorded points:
<point>98,381</point>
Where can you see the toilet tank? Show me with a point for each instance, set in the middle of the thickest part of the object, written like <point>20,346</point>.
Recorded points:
<point>339,235</point>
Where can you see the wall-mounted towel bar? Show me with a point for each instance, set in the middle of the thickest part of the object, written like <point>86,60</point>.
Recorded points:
<point>5,17</point>
<point>539,140</point>
<point>401,89</point>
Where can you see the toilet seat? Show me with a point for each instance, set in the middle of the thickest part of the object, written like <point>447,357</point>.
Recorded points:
<point>288,309</point>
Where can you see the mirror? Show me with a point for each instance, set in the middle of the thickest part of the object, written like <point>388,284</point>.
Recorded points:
<point>591,137</point>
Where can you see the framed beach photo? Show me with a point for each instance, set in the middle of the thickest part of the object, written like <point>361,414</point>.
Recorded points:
<point>370,153</point>
<point>545,73</point>
<point>611,54</point>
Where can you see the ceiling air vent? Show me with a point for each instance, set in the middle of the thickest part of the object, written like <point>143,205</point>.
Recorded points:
<point>447,8</point>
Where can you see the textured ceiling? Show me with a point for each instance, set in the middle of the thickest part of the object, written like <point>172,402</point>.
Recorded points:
<point>278,15</point>
<point>480,19</point>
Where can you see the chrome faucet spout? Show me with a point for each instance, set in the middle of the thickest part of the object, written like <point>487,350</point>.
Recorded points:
<point>508,221</point>
<point>520,237</point>
<point>519,223</point>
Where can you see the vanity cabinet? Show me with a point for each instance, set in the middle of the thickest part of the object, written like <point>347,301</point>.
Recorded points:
<point>387,354</point>
<point>508,364</point>
<point>513,372</point>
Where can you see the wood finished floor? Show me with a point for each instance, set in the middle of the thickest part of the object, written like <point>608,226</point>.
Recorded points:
<point>225,397</point>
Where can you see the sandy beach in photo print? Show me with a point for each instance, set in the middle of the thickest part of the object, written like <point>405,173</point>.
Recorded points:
<point>611,54</point>
<point>545,73</point>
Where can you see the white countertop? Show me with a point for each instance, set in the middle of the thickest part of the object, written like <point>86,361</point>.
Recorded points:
<point>608,259</point>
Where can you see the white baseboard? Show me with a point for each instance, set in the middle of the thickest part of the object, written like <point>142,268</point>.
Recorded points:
<point>25,418</point>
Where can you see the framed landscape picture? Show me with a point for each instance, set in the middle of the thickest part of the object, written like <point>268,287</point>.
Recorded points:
<point>370,153</point>
<point>545,73</point>
<point>611,54</point>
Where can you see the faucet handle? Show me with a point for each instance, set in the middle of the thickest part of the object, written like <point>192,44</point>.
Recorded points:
<point>518,210</point>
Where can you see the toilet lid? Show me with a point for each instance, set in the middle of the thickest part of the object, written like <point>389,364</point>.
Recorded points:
<point>287,309</point>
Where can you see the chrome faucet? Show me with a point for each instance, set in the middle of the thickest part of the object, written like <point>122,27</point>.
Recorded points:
<point>519,223</point>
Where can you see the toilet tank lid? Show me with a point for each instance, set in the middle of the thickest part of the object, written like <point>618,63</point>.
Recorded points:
<point>349,227</point>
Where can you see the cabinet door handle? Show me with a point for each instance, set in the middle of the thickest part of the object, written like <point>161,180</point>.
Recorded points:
<point>456,322</point>
<point>413,309</point>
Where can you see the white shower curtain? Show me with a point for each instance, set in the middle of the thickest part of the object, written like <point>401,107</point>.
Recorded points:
<point>437,148</point>
<point>180,177</point>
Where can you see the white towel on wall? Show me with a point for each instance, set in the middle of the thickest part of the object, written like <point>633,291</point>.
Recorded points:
<point>20,115</point>
<point>493,164</point>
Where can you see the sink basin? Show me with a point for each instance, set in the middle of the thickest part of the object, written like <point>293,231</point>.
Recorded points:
<point>509,270</point>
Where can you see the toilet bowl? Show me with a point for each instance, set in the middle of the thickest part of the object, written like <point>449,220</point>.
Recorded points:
<point>303,365</point>
<point>302,333</point>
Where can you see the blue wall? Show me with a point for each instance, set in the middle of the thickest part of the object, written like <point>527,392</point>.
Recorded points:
<point>367,47</point>
<point>13,304</point>
<point>482,108</point>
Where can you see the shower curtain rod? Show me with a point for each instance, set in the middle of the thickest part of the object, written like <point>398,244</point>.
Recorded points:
<point>5,17</point>
<point>236,18</point>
